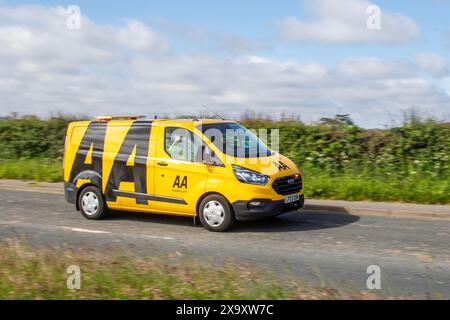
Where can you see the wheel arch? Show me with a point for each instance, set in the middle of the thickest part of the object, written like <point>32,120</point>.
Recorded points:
<point>210,193</point>
<point>95,180</point>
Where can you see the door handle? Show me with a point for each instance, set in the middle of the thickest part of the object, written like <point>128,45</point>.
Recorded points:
<point>163,164</point>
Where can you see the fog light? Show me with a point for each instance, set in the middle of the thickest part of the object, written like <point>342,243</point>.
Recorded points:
<point>256,203</point>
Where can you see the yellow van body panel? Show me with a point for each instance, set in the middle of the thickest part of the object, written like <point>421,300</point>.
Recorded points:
<point>129,161</point>
<point>73,140</point>
<point>222,180</point>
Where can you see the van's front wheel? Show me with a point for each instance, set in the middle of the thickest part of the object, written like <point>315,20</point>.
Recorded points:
<point>216,214</point>
<point>92,204</point>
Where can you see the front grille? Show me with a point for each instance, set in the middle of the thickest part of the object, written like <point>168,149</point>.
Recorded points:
<point>283,187</point>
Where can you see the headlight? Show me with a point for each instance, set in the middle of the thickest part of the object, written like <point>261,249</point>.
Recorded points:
<point>250,176</point>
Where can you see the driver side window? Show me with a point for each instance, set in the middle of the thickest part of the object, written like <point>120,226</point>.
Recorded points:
<point>181,144</point>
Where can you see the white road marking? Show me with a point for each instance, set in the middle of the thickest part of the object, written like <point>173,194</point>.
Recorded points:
<point>107,232</point>
<point>9,222</point>
<point>163,238</point>
<point>86,230</point>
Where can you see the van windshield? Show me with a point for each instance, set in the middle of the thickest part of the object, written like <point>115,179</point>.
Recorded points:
<point>235,140</point>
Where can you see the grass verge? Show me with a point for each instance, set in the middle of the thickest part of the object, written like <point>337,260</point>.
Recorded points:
<point>40,273</point>
<point>376,187</point>
<point>44,170</point>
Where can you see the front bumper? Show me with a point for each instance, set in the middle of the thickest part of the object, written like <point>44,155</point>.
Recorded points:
<point>244,212</point>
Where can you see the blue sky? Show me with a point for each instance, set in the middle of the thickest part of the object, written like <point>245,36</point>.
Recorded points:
<point>254,19</point>
<point>415,42</point>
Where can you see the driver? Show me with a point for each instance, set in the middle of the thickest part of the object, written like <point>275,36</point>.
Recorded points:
<point>177,148</point>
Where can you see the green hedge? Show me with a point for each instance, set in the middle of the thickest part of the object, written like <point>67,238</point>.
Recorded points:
<point>31,137</point>
<point>339,159</point>
<point>338,146</point>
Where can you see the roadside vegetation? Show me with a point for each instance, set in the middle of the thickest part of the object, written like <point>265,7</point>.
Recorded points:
<point>408,162</point>
<point>339,160</point>
<point>35,169</point>
<point>41,273</point>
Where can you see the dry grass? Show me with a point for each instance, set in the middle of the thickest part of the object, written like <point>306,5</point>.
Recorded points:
<point>40,273</point>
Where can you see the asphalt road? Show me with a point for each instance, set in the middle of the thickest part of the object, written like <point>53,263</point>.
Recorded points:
<point>413,254</point>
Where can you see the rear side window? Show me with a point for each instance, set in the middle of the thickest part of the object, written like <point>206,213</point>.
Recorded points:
<point>181,144</point>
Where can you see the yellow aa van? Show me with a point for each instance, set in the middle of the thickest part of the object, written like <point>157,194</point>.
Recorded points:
<point>196,168</point>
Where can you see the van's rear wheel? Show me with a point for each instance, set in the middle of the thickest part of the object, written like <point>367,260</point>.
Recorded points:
<point>216,214</point>
<point>92,204</point>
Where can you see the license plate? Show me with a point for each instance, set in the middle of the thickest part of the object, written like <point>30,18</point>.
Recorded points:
<point>292,198</point>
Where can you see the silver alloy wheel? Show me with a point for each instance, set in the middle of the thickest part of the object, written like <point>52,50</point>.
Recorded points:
<point>89,202</point>
<point>214,213</point>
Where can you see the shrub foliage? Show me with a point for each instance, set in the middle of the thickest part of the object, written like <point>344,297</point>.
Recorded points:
<point>339,159</point>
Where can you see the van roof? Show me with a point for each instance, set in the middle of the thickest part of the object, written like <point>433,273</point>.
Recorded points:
<point>206,121</point>
<point>125,119</point>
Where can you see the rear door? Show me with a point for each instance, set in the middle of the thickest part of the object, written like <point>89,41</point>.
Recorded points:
<point>180,176</point>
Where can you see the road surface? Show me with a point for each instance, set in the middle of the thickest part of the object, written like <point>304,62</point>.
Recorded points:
<point>413,254</point>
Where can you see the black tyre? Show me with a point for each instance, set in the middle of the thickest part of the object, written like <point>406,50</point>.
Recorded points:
<point>92,204</point>
<point>216,214</point>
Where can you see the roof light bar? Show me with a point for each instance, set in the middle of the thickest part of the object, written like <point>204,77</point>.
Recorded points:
<point>111,118</point>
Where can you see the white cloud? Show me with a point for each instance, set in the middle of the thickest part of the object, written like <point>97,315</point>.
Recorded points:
<point>35,30</point>
<point>46,68</point>
<point>345,21</point>
<point>446,86</point>
<point>372,68</point>
<point>201,38</point>
<point>236,44</point>
<point>138,36</point>
<point>432,63</point>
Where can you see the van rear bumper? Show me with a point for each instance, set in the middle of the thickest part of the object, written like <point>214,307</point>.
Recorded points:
<point>245,212</point>
<point>70,192</point>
